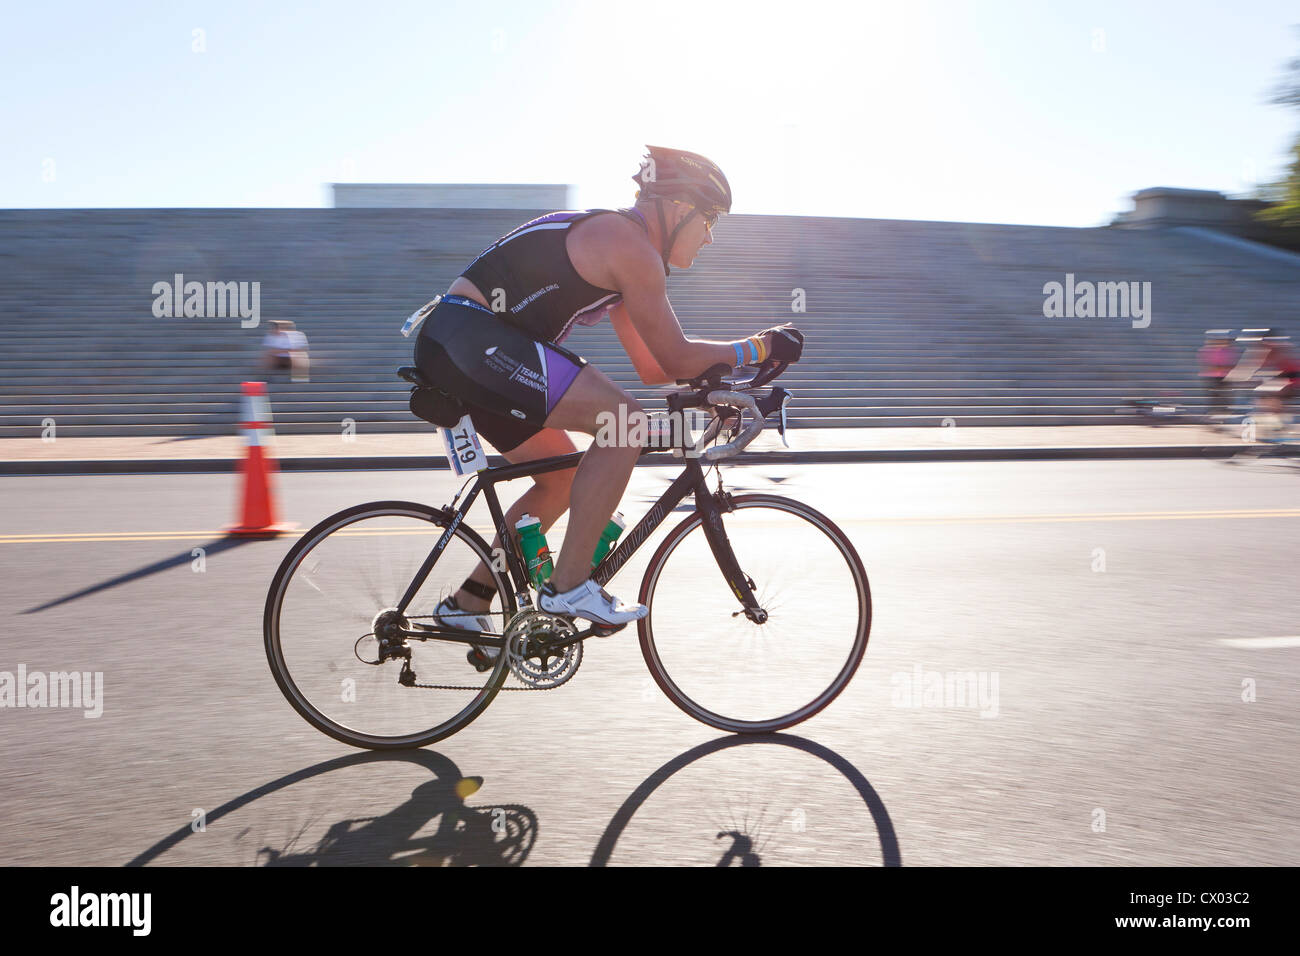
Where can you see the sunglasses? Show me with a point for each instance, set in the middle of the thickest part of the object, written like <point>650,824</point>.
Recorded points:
<point>710,218</point>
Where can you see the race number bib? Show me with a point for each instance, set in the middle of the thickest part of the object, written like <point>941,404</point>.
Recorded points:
<point>463,449</point>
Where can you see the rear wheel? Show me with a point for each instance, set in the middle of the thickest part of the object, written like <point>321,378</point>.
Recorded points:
<point>332,606</point>
<point>729,672</point>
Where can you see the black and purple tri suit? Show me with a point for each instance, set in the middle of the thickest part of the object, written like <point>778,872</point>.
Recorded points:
<point>505,362</point>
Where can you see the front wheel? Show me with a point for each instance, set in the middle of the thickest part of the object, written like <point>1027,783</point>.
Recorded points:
<point>722,668</point>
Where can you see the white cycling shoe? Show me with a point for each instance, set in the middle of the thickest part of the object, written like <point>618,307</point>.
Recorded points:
<point>590,602</point>
<point>449,614</point>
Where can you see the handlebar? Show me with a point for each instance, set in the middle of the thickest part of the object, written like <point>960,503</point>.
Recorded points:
<point>709,390</point>
<point>737,444</point>
<point>712,378</point>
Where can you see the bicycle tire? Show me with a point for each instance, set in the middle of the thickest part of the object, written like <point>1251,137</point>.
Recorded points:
<point>651,652</point>
<point>279,667</point>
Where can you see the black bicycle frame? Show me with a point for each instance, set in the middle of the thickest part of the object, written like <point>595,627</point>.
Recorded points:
<point>691,480</point>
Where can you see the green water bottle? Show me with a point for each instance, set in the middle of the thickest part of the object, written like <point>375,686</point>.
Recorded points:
<point>533,545</point>
<point>608,537</point>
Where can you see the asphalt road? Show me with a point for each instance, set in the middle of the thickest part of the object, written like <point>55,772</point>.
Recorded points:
<point>1128,621</point>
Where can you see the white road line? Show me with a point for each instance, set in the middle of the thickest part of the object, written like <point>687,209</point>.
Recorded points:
<point>1261,642</point>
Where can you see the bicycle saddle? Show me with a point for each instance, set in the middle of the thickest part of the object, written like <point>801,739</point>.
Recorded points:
<point>412,374</point>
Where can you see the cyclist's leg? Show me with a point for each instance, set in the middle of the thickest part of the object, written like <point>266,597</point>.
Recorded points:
<point>300,365</point>
<point>1269,426</point>
<point>458,349</point>
<point>496,370</point>
<point>602,476</point>
<point>547,499</point>
<point>1286,391</point>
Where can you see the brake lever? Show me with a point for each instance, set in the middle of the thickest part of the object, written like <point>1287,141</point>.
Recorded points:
<point>776,401</point>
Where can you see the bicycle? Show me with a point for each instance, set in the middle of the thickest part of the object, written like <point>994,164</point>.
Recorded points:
<point>714,653</point>
<point>1155,411</point>
<point>1264,432</point>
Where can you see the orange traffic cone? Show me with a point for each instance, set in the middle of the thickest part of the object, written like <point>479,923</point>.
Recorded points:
<point>257,511</point>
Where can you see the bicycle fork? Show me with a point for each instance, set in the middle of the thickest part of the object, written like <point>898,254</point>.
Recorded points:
<point>711,508</point>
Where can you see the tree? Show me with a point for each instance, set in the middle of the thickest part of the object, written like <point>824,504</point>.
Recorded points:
<point>1285,195</point>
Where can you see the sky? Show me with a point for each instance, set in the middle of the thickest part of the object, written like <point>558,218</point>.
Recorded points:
<point>1045,113</point>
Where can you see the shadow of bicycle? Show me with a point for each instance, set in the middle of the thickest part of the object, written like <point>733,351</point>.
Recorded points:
<point>461,835</point>
<point>746,832</point>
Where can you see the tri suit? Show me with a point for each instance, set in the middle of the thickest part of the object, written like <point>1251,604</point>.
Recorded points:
<point>505,363</point>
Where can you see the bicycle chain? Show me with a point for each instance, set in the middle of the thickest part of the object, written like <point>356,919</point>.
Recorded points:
<point>470,687</point>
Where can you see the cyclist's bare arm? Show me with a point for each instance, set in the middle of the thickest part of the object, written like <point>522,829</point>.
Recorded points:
<point>647,368</point>
<point>614,254</point>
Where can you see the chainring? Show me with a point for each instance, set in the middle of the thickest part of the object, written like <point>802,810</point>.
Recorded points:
<point>529,652</point>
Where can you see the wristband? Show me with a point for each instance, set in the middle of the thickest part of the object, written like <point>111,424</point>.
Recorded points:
<point>740,356</point>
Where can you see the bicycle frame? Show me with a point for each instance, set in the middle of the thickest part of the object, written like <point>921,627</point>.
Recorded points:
<point>691,480</point>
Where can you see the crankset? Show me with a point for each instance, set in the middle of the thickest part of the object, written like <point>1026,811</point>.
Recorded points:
<point>543,650</point>
<point>575,636</point>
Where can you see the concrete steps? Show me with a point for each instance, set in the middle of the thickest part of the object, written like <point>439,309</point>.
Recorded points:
<point>907,322</point>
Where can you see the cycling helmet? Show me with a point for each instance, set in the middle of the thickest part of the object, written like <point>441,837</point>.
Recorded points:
<point>675,174</point>
<point>689,177</point>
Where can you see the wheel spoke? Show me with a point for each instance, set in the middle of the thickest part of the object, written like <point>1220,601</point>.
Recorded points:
<point>726,670</point>
<point>353,567</point>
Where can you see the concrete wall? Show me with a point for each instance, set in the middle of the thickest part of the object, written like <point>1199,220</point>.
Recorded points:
<point>451,196</point>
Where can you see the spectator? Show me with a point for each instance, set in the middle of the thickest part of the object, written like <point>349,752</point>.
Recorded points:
<point>286,348</point>
<point>1217,358</point>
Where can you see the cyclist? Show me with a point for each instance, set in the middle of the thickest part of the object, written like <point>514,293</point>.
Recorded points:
<point>493,342</point>
<point>1270,356</point>
<point>1217,358</point>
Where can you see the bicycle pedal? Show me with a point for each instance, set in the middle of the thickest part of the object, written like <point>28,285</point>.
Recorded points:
<point>480,663</point>
<point>603,630</point>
